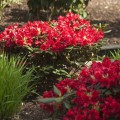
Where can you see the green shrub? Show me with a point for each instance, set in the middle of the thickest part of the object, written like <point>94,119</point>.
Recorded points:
<point>13,85</point>
<point>49,9</point>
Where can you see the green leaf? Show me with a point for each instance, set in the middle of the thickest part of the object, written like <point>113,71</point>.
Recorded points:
<point>84,14</point>
<point>56,100</point>
<point>108,31</point>
<point>80,27</point>
<point>63,72</point>
<point>60,72</point>
<point>50,100</point>
<point>105,92</point>
<point>46,100</point>
<point>67,105</point>
<point>69,94</point>
<point>56,90</point>
<point>82,1</point>
<point>69,48</point>
<point>29,48</point>
<point>74,1</point>
<point>116,90</point>
<point>59,100</point>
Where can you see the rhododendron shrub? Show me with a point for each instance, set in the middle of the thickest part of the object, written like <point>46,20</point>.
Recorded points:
<point>56,49</point>
<point>93,95</point>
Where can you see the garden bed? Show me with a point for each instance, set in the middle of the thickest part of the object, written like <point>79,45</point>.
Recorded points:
<point>107,12</point>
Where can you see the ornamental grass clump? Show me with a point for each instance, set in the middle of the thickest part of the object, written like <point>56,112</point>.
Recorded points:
<point>13,85</point>
<point>93,95</point>
<point>115,54</point>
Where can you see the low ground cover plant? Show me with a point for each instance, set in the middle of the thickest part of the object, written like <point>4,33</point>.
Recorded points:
<point>13,85</point>
<point>93,95</point>
<point>56,49</point>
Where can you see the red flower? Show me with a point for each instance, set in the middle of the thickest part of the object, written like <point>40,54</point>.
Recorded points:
<point>70,30</point>
<point>97,94</point>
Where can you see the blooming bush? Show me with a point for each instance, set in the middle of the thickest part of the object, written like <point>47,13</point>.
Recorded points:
<point>93,95</point>
<point>67,31</point>
<point>56,49</point>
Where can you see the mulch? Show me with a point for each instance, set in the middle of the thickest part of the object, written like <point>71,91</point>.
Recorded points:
<point>104,11</point>
<point>107,11</point>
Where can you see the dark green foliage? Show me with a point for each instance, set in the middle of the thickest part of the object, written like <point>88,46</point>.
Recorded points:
<point>50,66</point>
<point>47,10</point>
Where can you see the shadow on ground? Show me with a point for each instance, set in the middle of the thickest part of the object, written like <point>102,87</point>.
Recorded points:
<point>17,15</point>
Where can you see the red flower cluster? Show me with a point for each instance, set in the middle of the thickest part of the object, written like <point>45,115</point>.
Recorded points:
<point>106,73</point>
<point>97,93</point>
<point>70,30</point>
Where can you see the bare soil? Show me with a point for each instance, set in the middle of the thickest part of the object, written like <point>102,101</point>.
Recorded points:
<point>105,11</point>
